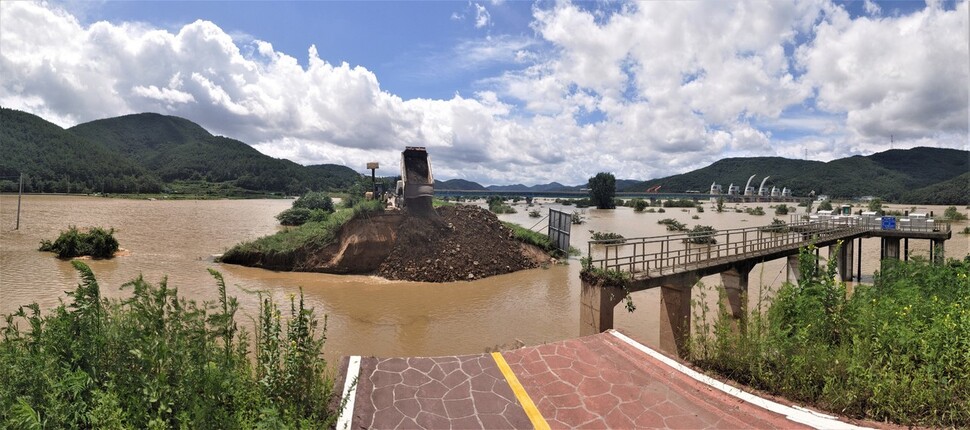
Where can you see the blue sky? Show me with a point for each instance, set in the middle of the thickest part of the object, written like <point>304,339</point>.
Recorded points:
<point>507,91</point>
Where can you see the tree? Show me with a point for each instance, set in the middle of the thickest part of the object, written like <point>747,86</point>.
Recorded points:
<point>875,205</point>
<point>720,204</point>
<point>602,189</point>
<point>826,205</point>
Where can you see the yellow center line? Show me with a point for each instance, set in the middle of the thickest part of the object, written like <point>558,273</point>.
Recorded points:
<point>530,408</point>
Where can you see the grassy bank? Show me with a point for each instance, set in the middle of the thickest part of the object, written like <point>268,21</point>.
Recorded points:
<point>280,250</point>
<point>155,360</point>
<point>540,240</point>
<point>898,350</point>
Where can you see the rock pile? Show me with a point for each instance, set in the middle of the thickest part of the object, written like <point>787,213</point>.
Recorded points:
<point>463,243</point>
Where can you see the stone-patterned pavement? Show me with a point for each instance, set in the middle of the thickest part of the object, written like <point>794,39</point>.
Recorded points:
<point>599,381</point>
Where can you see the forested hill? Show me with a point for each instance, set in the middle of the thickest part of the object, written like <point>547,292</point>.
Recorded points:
<point>891,175</point>
<point>178,149</point>
<point>146,153</point>
<point>55,160</point>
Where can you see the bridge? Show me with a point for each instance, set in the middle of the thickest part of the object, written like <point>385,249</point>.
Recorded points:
<point>620,195</point>
<point>675,262</point>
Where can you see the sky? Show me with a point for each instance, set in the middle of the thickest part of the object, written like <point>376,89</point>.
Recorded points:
<point>504,92</point>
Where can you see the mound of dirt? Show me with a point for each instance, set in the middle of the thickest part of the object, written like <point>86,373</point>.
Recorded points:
<point>463,243</point>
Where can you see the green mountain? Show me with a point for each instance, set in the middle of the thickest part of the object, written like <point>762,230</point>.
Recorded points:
<point>956,191</point>
<point>178,149</point>
<point>54,160</point>
<point>890,175</point>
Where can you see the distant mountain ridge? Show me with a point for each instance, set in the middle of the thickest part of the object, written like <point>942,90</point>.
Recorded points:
<point>143,152</point>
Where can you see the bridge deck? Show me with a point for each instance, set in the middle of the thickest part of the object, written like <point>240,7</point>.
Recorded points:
<point>652,259</point>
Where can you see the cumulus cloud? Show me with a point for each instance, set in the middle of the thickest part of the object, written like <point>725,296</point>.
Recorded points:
<point>646,90</point>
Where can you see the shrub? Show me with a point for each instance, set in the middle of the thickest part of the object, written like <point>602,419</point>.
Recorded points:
<point>700,209</point>
<point>497,205</point>
<point>702,234</point>
<point>892,351</point>
<point>576,218</point>
<point>97,242</point>
<point>679,203</point>
<point>826,205</point>
<point>535,213</point>
<point>606,237</point>
<point>758,210</point>
<point>673,225</point>
<point>695,217</point>
<point>776,226</point>
<point>782,209</point>
<point>639,205</point>
<point>951,213</point>
<point>294,216</point>
<point>314,200</point>
<point>157,360</point>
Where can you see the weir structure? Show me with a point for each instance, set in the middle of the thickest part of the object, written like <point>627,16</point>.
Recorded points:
<point>676,262</point>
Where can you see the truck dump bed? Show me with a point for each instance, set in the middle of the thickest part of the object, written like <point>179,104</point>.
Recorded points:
<point>418,180</point>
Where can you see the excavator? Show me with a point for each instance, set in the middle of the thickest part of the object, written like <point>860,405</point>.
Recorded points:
<point>415,190</point>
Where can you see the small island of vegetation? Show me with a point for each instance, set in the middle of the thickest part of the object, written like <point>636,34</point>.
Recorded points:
<point>96,242</point>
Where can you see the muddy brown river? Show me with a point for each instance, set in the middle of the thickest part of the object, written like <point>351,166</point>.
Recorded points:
<point>367,315</point>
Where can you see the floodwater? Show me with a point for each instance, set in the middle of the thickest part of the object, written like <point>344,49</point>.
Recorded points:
<point>367,315</point>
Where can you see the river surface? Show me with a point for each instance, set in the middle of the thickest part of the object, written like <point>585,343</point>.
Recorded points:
<point>366,315</point>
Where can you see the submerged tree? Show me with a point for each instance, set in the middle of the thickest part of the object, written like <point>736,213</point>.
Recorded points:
<point>602,189</point>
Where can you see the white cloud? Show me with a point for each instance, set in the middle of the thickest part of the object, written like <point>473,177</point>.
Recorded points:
<point>482,17</point>
<point>651,89</point>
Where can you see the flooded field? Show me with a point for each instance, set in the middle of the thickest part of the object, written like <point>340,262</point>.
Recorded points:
<point>367,315</point>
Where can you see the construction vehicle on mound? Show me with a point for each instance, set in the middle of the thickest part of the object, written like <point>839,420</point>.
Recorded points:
<point>415,190</point>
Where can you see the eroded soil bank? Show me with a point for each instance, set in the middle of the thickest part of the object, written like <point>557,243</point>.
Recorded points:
<point>461,243</point>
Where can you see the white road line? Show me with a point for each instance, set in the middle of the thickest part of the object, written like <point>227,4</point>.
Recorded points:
<point>796,414</point>
<point>345,420</point>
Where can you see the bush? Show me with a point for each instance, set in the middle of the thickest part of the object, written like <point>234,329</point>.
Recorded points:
<point>606,237</point>
<point>576,218</point>
<point>314,201</point>
<point>294,216</point>
<point>679,203</point>
<point>639,205</point>
<point>97,242</point>
<point>535,213</point>
<point>702,234</point>
<point>673,225</point>
<point>758,211</point>
<point>892,351</point>
<point>782,209</point>
<point>826,205</point>
<point>497,205</point>
<point>700,209</point>
<point>952,214</point>
<point>156,360</point>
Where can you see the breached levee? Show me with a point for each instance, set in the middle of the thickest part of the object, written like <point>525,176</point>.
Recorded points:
<point>461,243</point>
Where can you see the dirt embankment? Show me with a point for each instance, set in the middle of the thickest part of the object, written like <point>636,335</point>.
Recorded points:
<point>461,243</point>
<point>464,243</point>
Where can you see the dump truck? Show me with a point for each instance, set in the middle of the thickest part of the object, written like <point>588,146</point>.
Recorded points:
<point>415,190</point>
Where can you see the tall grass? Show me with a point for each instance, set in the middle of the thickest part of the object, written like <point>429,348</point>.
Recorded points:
<point>155,360</point>
<point>897,350</point>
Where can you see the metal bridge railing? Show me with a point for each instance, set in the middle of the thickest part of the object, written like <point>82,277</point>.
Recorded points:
<point>661,255</point>
<point>667,254</point>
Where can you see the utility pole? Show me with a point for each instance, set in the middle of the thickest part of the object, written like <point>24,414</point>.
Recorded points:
<point>19,197</point>
<point>373,166</point>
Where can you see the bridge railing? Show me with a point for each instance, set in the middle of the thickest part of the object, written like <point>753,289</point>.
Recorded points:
<point>666,254</point>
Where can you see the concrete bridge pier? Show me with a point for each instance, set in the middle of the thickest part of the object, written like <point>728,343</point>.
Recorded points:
<point>792,271</point>
<point>890,248</point>
<point>734,281</point>
<point>675,314</point>
<point>843,259</point>
<point>936,250</point>
<point>596,307</point>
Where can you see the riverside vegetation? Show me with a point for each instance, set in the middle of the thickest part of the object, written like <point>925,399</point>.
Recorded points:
<point>895,351</point>
<point>155,360</point>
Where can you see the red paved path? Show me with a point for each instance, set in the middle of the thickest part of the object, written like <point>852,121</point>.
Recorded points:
<point>598,381</point>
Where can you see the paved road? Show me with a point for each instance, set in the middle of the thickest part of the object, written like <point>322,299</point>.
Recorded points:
<point>601,381</point>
